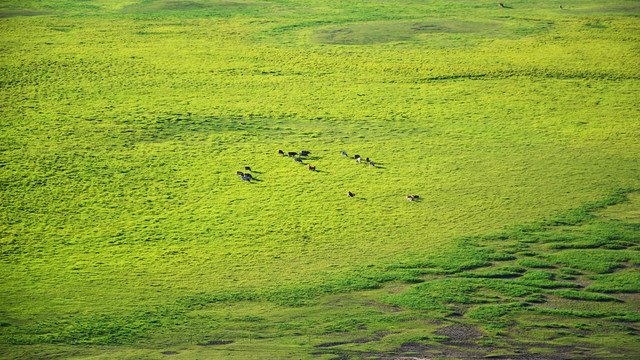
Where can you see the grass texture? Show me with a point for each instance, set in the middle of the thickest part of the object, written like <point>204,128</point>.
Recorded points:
<point>123,123</point>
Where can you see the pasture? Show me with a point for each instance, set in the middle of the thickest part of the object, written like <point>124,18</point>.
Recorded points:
<point>126,233</point>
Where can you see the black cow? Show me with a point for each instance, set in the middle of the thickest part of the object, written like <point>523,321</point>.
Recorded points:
<point>297,160</point>
<point>371,164</point>
<point>246,178</point>
<point>356,156</point>
<point>249,176</point>
<point>247,168</point>
<point>344,153</point>
<point>305,153</point>
<point>291,153</point>
<point>350,194</point>
<point>239,173</point>
<point>280,152</point>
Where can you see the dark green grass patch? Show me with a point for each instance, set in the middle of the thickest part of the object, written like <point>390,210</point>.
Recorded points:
<point>599,261</point>
<point>581,295</point>
<point>534,263</point>
<point>625,282</point>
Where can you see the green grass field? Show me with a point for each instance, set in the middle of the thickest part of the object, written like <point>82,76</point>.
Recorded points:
<point>126,233</point>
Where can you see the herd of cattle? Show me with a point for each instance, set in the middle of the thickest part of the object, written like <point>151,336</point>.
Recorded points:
<point>297,157</point>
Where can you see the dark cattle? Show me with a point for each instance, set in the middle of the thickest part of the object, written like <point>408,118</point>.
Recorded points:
<point>310,167</point>
<point>501,5</point>
<point>350,194</point>
<point>416,197</point>
<point>280,152</point>
<point>344,153</point>
<point>367,160</point>
<point>297,160</point>
<point>291,153</point>
<point>240,173</point>
<point>247,168</point>
<point>560,6</point>
<point>249,176</point>
<point>246,178</point>
<point>356,156</point>
<point>371,164</point>
<point>305,153</point>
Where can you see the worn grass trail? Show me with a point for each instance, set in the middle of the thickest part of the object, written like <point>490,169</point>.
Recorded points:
<point>123,125</point>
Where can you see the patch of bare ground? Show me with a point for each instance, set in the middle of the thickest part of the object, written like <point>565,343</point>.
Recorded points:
<point>215,342</point>
<point>460,332</point>
<point>384,307</point>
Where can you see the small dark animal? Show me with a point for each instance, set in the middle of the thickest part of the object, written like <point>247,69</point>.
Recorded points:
<point>246,178</point>
<point>297,160</point>
<point>247,168</point>
<point>249,176</point>
<point>239,173</point>
<point>344,153</point>
<point>356,156</point>
<point>350,194</point>
<point>291,153</point>
<point>311,167</point>
<point>416,196</point>
<point>371,164</point>
<point>280,152</point>
<point>367,160</point>
<point>305,153</point>
<point>501,5</point>
<point>560,6</point>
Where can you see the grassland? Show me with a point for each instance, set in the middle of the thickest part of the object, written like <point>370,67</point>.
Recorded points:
<point>125,231</point>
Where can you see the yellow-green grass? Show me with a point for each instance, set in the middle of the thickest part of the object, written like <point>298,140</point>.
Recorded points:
<point>123,124</point>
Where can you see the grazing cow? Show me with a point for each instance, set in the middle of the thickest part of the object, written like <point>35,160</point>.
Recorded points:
<point>249,176</point>
<point>247,168</point>
<point>358,160</point>
<point>291,153</point>
<point>344,153</point>
<point>367,160</point>
<point>410,197</point>
<point>350,194</point>
<point>371,164</point>
<point>305,153</point>
<point>356,156</point>
<point>416,197</point>
<point>246,178</point>
<point>311,167</point>
<point>297,160</point>
<point>560,7</point>
<point>501,5</point>
<point>280,152</point>
<point>239,173</point>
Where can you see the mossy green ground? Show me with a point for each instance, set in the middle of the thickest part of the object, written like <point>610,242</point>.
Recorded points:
<point>124,122</point>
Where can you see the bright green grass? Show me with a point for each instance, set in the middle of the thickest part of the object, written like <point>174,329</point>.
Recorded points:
<point>123,123</point>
